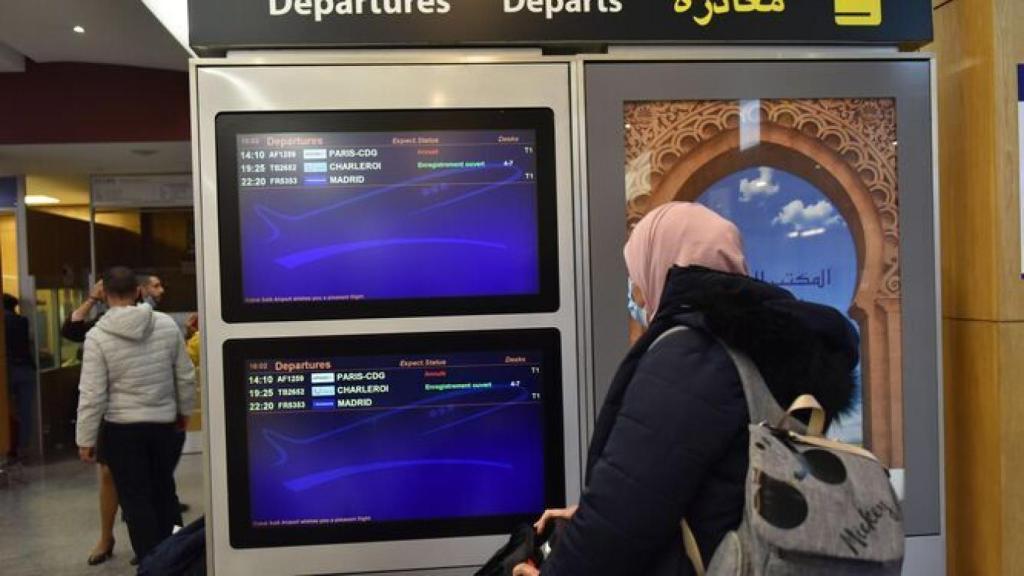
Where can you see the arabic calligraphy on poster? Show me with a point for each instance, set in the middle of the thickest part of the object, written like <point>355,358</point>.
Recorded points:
<point>713,8</point>
<point>821,279</point>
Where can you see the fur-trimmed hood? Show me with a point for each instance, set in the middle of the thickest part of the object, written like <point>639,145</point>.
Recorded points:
<point>800,347</point>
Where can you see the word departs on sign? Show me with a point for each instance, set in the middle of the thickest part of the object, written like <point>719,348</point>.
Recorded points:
<point>552,7</point>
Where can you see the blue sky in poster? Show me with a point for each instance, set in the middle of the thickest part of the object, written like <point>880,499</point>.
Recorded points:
<point>793,237</point>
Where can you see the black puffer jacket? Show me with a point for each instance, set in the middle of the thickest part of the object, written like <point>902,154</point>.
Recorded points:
<point>671,440</point>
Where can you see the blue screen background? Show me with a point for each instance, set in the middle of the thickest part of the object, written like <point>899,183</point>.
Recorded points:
<point>407,232</point>
<point>420,455</point>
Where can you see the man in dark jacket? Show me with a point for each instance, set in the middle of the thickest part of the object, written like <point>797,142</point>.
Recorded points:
<point>671,441</point>
<point>21,375</point>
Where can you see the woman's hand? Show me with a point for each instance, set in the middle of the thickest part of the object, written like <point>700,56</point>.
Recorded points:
<point>87,454</point>
<point>549,515</point>
<point>525,569</point>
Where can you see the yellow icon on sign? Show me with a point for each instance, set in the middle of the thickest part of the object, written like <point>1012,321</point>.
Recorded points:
<point>859,12</point>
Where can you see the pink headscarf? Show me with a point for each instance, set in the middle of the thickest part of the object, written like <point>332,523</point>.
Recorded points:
<point>680,234</point>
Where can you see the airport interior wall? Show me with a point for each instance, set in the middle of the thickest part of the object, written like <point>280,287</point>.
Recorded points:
<point>978,46</point>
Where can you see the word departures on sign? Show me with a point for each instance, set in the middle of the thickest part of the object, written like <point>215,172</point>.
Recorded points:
<point>225,24</point>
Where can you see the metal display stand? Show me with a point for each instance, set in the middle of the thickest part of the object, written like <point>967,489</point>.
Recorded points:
<point>586,95</point>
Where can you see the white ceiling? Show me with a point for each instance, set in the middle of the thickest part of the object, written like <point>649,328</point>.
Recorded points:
<point>121,32</point>
<point>106,158</point>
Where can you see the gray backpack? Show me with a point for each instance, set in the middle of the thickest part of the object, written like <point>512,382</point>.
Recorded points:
<point>813,506</point>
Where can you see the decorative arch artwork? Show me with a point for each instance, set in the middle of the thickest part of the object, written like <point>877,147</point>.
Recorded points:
<point>841,155</point>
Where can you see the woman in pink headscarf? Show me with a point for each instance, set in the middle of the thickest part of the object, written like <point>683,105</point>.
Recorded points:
<point>677,234</point>
<point>671,439</point>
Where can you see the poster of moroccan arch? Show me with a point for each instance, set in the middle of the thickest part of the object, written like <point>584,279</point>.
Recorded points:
<point>812,184</point>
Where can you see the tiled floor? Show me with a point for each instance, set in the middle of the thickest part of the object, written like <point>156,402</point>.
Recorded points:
<point>49,519</point>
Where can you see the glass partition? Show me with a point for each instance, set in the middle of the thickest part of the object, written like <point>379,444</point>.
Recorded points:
<point>53,305</point>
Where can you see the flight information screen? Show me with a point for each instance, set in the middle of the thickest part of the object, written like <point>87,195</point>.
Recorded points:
<point>387,213</point>
<point>373,440</point>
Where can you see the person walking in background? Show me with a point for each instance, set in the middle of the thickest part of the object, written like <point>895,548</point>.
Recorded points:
<point>138,381</point>
<point>75,328</point>
<point>151,290</point>
<point>21,376</point>
<point>192,338</point>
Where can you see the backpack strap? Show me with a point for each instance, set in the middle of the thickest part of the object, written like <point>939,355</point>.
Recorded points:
<point>692,549</point>
<point>666,334</point>
<point>761,404</point>
<point>762,407</point>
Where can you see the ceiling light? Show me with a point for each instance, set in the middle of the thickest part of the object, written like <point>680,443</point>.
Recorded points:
<point>39,200</point>
<point>79,30</point>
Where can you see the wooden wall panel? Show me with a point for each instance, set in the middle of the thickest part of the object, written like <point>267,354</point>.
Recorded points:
<point>9,248</point>
<point>1011,343</point>
<point>1009,19</point>
<point>978,44</point>
<point>973,465</point>
<point>964,46</point>
<point>58,248</point>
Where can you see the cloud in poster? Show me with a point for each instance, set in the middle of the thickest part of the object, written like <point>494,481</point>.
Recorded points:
<point>800,216</point>
<point>764,185</point>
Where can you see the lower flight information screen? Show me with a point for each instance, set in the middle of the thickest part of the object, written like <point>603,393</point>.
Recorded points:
<point>395,445</point>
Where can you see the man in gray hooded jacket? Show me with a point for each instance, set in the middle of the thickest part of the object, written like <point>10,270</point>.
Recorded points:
<point>138,382</point>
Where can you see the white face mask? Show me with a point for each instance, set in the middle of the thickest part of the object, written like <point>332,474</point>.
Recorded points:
<point>636,311</point>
